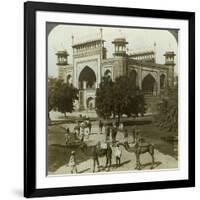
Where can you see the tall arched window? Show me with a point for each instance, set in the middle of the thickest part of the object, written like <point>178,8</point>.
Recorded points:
<point>87,78</point>
<point>108,73</point>
<point>149,85</point>
<point>90,103</point>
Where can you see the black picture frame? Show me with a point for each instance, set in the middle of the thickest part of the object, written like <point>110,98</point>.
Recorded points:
<point>30,9</point>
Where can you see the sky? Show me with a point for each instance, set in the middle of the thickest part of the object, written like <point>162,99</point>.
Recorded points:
<point>139,39</point>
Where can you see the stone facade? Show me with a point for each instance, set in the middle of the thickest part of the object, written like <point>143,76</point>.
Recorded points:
<point>90,64</point>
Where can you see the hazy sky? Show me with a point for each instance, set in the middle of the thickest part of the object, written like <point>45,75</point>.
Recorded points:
<point>138,40</point>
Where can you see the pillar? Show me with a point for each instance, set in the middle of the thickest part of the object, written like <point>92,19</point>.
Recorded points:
<point>84,85</point>
<point>140,78</point>
<point>84,95</point>
<point>158,83</point>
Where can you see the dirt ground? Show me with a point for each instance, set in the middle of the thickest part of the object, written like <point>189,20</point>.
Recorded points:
<point>58,154</point>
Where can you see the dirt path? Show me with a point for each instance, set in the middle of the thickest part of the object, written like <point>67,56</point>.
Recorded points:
<point>128,160</point>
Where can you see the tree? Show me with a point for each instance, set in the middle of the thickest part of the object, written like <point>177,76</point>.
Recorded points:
<point>168,111</point>
<point>104,98</point>
<point>53,86</point>
<point>118,98</point>
<point>136,103</point>
<point>121,96</point>
<point>65,98</point>
<point>128,98</point>
<point>61,96</point>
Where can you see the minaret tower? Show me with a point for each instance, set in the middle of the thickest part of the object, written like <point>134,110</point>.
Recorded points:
<point>169,62</point>
<point>120,47</point>
<point>62,63</point>
<point>120,56</point>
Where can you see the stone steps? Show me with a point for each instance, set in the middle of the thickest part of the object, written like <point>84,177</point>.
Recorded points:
<point>152,103</point>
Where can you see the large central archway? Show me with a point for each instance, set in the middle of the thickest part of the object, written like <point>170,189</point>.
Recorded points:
<point>149,85</point>
<point>87,79</point>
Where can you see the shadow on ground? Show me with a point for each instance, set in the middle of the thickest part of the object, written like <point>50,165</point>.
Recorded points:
<point>156,164</point>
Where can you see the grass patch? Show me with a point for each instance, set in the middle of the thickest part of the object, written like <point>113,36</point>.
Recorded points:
<point>58,153</point>
<point>154,135</point>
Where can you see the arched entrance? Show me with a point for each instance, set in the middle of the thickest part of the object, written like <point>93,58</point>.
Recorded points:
<point>90,103</point>
<point>149,85</point>
<point>87,79</point>
<point>133,77</point>
<point>108,73</point>
<point>87,85</point>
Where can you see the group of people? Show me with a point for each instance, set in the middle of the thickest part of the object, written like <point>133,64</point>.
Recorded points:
<point>95,156</point>
<point>110,138</point>
<point>112,130</point>
<point>83,129</point>
<point>108,154</point>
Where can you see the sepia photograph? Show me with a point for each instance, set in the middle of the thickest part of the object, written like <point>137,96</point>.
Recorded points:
<point>109,98</point>
<point>112,99</point>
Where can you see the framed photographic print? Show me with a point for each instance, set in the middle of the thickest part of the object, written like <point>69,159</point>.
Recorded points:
<point>109,99</point>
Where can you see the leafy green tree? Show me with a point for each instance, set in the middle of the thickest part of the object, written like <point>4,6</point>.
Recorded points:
<point>61,96</point>
<point>53,86</point>
<point>66,96</point>
<point>136,102</point>
<point>104,98</point>
<point>121,96</point>
<point>118,98</point>
<point>128,99</point>
<point>168,111</point>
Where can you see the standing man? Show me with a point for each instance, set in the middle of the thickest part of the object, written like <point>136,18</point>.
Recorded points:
<point>139,138</point>
<point>134,133</point>
<point>121,126</point>
<point>107,134</point>
<point>77,128</point>
<point>95,158</point>
<point>82,131</point>
<point>100,126</point>
<point>114,133</point>
<point>67,136</point>
<point>72,163</point>
<point>125,135</point>
<point>118,154</point>
<point>108,157</point>
<point>89,125</point>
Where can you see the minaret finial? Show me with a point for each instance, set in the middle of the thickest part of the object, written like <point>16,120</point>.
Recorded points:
<point>154,44</point>
<point>101,33</point>
<point>72,39</point>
